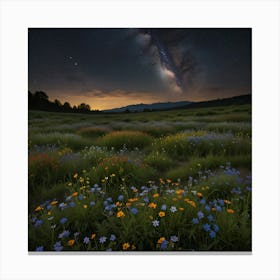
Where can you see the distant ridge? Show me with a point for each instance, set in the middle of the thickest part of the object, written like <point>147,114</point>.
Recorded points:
<point>161,106</point>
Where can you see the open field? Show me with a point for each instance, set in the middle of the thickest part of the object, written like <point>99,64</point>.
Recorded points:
<point>169,180</point>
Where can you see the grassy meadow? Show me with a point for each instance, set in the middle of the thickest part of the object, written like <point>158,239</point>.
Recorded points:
<point>177,180</point>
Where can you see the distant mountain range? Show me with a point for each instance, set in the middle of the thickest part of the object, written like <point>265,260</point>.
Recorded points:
<point>149,107</point>
<point>161,106</point>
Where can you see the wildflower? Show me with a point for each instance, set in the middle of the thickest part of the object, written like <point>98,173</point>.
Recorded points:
<point>155,223</point>
<point>102,239</point>
<point>128,204</point>
<point>113,237</point>
<point>181,209</point>
<point>210,218</point>
<point>200,215</point>
<point>174,238</point>
<point>62,205</point>
<point>75,176</point>
<point>92,203</point>
<point>155,195</point>
<point>65,233</point>
<point>195,221</point>
<point>207,208</point>
<point>152,205</point>
<point>164,244</point>
<point>93,236</point>
<point>86,240</point>
<point>206,227</point>
<point>71,242</point>
<point>199,194</point>
<point>212,234</point>
<point>161,214</point>
<point>39,249</point>
<point>125,246</point>
<point>57,246</point>
<point>81,197</point>
<point>39,208</point>
<point>134,211</point>
<point>74,194</point>
<point>146,199</point>
<point>216,228</point>
<point>218,208</point>
<point>120,198</point>
<point>76,234</point>
<point>54,202</point>
<point>173,209</point>
<point>63,220</point>
<point>133,247</point>
<point>230,211</point>
<point>85,206</point>
<point>221,202</point>
<point>202,201</point>
<point>120,214</point>
<point>168,181</point>
<point>227,201</point>
<point>163,207</point>
<point>161,240</point>
<point>38,223</point>
<point>72,204</point>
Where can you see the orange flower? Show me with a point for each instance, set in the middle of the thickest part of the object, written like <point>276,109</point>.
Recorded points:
<point>85,206</point>
<point>227,201</point>
<point>161,214</point>
<point>118,203</point>
<point>161,240</point>
<point>168,181</point>
<point>230,211</point>
<point>93,236</point>
<point>155,195</point>
<point>39,208</point>
<point>74,194</point>
<point>120,214</point>
<point>151,217</point>
<point>213,209</point>
<point>125,246</point>
<point>71,242</point>
<point>54,202</point>
<point>152,205</point>
<point>128,204</point>
<point>181,209</point>
<point>199,194</point>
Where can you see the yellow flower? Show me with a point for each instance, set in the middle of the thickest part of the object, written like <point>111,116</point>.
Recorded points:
<point>174,199</point>
<point>120,214</point>
<point>227,201</point>
<point>199,194</point>
<point>168,181</point>
<point>128,204</point>
<point>85,206</point>
<point>135,190</point>
<point>151,217</point>
<point>230,211</point>
<point>152,205</point>
<point>133,247</point>
<point>161,214</point>
<point>181,209</point>
<point>54,202</point>
<point>125,246</point>
<point>69,184</point>
<point>213,209</point>
<point>49,213</point>
<point>179,191</point>
<point>155,195</point>
<point>191,203</point>
<point>161,240</point>
<point>39,208</point>
<point>93,236</point>
<point>70,242</point>
<point>75,175</point>
<point>118,203</point>
<point>81,180</point>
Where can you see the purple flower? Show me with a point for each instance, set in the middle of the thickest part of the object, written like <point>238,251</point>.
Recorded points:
<point>206,227</point>
<point>86,240</point>
<point>210,218</point>
<point>38,223</point>
<point>164,244</point>
<point>113,237</point>
<point>63,220</point>
<point>102,239</point>
<point>39,249</point>
<point>134,211</point>
<point>212,234</point>
<point>120,198</point>
<point>207,208</point>
<point>65,233</point>
<point>155,223</point>
<point>218,208</point>
<point>200,215</point>
<point>72,204</point>
<point>202,201</point>
<point>174,238</point>
<point>163,207</point>
<point>195,221</point>
<point>216,228</point>
<point>57,246</point>
<point>81,197</point>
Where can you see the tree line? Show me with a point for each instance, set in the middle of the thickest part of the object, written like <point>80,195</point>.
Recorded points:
<point>39,100</point>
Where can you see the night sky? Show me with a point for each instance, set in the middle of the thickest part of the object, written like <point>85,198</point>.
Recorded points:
<point>110,68</point>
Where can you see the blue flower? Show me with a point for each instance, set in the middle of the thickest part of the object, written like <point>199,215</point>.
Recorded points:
<point>163,207</point>
<point>216,228</point>
<point>92,203</point>
<point>62,205</point>
<point>72,204</point>
<point>173,209</point>
<point>207,208</point>
<point>86,240</point>
<point>113,237</point>
<point>65,233</point>
<point>63,220</point>
<point>105,203</point>
<point>202,201</point>
<point>210,218</point>
<point>218,208</point>
<point>39,249</point>
<point>195,221</point>
<point>212,234</point>
<point>76,234</point>
<point>134,211</point>
<point>102,239</point>
<point>200,215</point>
<point>155,223</point>
<point>206,227</point>
<point>146,199</point>
<point>109,199</point>
<point>120,198</point>
<point>164,244</point>
<point>81,197</point>
<point>38,223</point>
<point>57,246</point>
<point>221,202</point>
<point>49,207</point>
<point>174,238</point>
